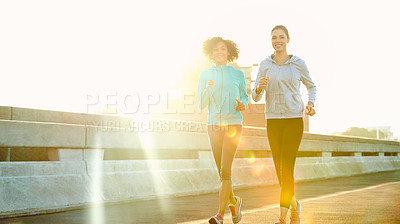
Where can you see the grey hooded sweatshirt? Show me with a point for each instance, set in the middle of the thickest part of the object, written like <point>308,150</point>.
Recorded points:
<point>283,98</point>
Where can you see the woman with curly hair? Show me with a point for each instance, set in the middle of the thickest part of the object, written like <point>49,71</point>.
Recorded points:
<point>279,77</point>
<point>222,89</point>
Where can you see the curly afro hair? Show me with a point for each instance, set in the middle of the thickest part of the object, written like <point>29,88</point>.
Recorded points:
<point>209,44</point>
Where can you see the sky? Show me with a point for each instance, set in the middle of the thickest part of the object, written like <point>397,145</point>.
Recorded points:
<point>64,55</point>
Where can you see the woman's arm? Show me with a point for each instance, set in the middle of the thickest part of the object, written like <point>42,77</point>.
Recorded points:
<point>243,92</point>
<point>254,94</point>
<point>203,94</point>
<point>311,87</point>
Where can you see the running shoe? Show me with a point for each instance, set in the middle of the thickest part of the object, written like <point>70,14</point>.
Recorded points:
<point>236,210</point>
<point>295,214</point>
<point>216,219</point>
<point>280,221</point>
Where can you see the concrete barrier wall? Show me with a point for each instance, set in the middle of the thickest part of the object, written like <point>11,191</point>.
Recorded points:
<point>35,134</point>
<point>100,124</point>
<point>30,187</point>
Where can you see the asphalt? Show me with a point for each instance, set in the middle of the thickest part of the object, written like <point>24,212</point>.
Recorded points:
<point>370,198</point>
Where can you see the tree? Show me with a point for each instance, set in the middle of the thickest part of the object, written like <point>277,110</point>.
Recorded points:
<point>363,132</point>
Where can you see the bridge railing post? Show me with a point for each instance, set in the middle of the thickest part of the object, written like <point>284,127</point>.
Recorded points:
<point>358,154</point>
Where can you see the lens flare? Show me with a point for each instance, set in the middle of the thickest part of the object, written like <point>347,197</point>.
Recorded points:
<point>250,156</point>
<point>97,211</point>
<point>258,170</point>
<point>147,139</point>
<point>231,132</point>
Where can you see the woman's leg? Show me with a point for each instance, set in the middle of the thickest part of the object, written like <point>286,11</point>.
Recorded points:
<point>275,134</point>
<point>216,137</point>
<point>231,141</point>
<point>293,203</point>
<point>292,135</point>
<point>275,129</point>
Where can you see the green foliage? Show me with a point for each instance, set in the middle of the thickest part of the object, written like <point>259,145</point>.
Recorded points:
<point>363,132</point>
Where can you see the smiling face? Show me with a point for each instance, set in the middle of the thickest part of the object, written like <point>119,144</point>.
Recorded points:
<point>279,40</point>
<point>220,53</point>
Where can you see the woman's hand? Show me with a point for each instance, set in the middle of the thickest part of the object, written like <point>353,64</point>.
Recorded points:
<point>211,82</point>
<point>262,83</point>
<point>240,106</point>
<point>310,109</point>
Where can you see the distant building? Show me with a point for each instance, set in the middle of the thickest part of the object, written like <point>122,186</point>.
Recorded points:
<point>247,70</point>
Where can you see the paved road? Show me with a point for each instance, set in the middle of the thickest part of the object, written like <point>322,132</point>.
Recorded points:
<point>372,198</point>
